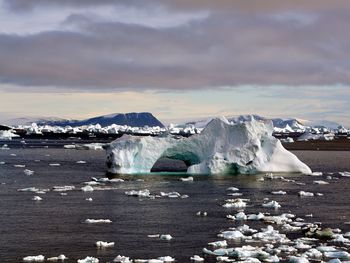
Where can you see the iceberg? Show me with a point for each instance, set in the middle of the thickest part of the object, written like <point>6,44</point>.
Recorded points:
<point>221,148</point>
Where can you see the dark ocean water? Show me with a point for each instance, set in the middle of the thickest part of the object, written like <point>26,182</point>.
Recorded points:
<point>55,225</point>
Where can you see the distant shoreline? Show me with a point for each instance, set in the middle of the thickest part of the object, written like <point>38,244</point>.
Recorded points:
<point>342,144</point>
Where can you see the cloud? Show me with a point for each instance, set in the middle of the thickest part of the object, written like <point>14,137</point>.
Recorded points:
<point>173,45</point>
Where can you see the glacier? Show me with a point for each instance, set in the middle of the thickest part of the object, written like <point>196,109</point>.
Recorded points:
<point>221,148</point>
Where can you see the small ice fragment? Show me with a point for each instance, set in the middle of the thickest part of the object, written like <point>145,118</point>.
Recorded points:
<point>241,216</point>
<point>200,213</point>
<point>55,164</point>
<point>187,179</point>
<point>102,244</point>
<point>337,254</point>
<point>231,234</point>
<point>235,203</point>
<point>278,192</point>
<point>98,221</point>
<point>28,172</point>
<point>165,259</point>
<point>1,163</point>
<point>37,198</point>
<point>153,236</point>
<point>87,188</point>
<point>272,204</point>
<point>259,216</point>
<point>303,193</point>
<point>59,258</point>
<point>197,258</point>
<point>320,182</point>
<point>295,259</point>
<point>13,154</point>
<point>233,189</point>
<point>140,193</point>
<point>122,259</point>
<point>222,243</point>
<point>316,174</point>
<point>63,188</point>
<point>89,199</point>
<point>39,258</point>
<point>81,162</point>
<point>88,260</point>
<point>165,237</point>
<point>19,165</point>
<point>345,174</point>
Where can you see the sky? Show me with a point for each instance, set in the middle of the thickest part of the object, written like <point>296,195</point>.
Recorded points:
<point>179,59</point>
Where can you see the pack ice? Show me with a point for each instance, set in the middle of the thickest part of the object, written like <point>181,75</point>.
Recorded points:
<point>222,147</point>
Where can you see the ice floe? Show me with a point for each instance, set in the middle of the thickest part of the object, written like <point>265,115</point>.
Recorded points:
<point>28,172</point>
<point>39,258</point>
<point>103,244</point>
<point>59,258</point>
<point>272,204</point>
<point>37,198</point>
<point>98,221</point>
<point>88,260</point>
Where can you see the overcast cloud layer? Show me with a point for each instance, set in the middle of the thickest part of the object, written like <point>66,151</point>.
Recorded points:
<point>172,44</point>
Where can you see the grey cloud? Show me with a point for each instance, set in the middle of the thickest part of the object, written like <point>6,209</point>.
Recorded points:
<point>226,49</point>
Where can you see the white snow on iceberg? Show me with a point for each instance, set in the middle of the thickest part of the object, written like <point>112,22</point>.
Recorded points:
<point>222,147</point>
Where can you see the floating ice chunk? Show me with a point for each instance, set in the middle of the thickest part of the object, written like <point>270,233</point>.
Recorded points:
<point>39,258</point>
<point>89,199</point>
<point>59,258</point>
<point>33,189</point>
<point>320,182</point>
<point>69,146</point>
<point>1,163</point>
<point>235,194</point>
<point>259,216</point>
<point>81,162</point>
<point>335,260</point>
<point>88,260</point>
<point>313,253</point>
<point>295,259</point>
<point>233,189</point>
<point>326,248</point>
<point>272,204</point>
<point>222,243</point>
<point>87,188</point>
<point>165,237</point>
<point>200,213</point>
<point>345,174</point>
<point>102,244</point>
<point>187,179</point>
<point>232,234</point>
<point>197,258</point>
<point>307,194</point>
<point>347,234</point>
<point>140,193</point>
<point>54,164</point>
<point>98,221</point>
<point>19,165</point>
<point>241,216</point>
<point>90,146</point>
<point>279,192</point>
<point>337,254</point>
<point>37,198</point>
<point>235,203</point>
<point>316,174</point>
<point>153,236</point>
<point>165,259</point>
<point>63,188</point>
<point>28,172</point>
<point>122,259</point>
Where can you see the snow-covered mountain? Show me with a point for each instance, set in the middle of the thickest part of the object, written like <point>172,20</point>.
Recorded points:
<point>130,119</point>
